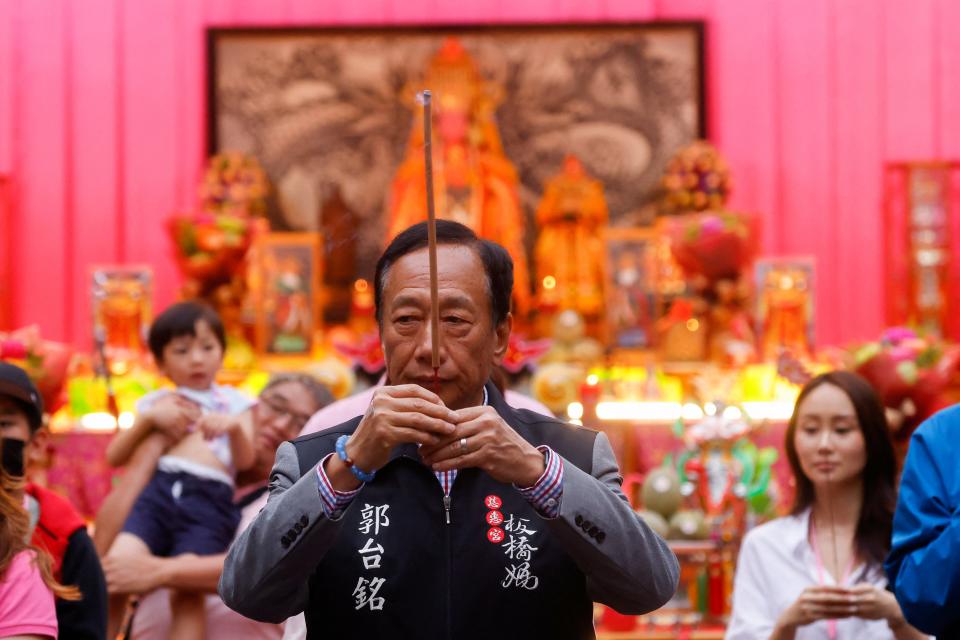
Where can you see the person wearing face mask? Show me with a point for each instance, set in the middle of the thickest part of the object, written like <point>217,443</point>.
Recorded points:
<point>283,407</point>
<point>818,573</point>
<point>27,585</point>
<point>52,522</point>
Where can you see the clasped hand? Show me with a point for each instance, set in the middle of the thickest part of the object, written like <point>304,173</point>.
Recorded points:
<point>471,437</point>
<point>832,602</point>
<point>175,416</point>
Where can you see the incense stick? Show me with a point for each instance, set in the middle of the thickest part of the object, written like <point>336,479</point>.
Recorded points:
<point>431,237</point>
<point>100,339</point>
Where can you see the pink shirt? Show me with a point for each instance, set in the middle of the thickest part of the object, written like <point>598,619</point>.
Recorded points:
<point>26,603</point>
<point>153,619</point>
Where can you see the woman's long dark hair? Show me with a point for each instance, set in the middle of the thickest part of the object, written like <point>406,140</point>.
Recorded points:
<point>872,538</point>
<point>14,525</point>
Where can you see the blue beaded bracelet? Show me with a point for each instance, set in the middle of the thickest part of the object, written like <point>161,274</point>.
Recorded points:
<point>362,476</point>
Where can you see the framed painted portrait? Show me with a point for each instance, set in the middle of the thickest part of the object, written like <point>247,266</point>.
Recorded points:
<point>333,111</point>
<point>632,300</point>
<point>287,288</point>
<point>785,305</point>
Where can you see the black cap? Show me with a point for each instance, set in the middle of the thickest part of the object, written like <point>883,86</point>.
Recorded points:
<point>15,382</point>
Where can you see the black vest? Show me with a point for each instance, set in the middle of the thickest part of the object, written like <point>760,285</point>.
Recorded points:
<point>398,570</point>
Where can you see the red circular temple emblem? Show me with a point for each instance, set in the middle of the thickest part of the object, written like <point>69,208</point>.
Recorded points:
<point>493,502</point>
<point>494,518</point>
<point>495,535</point>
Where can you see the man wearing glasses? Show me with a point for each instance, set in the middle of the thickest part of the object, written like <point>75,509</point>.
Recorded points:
<point>283,408</point>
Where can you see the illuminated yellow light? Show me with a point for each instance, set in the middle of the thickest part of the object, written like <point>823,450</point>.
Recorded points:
<point>126,420</point>
<point>691,411</point>
<point>593,379</point>
<point>100,421</point>
<point>638,411</point>
<point>575,410</point>
<point>549,282</point>
<point>732,413</point>
<point>693,324</point>
<point>786,282</point>
<point>774,410</point>
<point>361,285</point>
<point>119,367</point>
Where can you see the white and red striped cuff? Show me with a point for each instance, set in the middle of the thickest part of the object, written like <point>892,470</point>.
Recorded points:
<point>333,501</point>
<point>546,493</point>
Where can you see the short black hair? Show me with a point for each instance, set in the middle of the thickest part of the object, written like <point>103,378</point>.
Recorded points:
<point>497,263</point>
<point>181,320</point>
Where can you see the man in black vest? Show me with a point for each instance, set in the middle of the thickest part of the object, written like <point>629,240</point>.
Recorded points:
<point>442,512</point>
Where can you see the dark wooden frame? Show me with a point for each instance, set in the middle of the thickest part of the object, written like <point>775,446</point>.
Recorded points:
<point>213,33</point>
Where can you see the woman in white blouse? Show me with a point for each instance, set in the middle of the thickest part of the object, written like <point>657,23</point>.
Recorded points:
<point>818,573</point>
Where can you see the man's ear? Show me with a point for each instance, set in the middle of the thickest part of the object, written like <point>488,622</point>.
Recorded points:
<point>502,338</point>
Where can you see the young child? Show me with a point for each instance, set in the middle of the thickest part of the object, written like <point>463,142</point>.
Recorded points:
<point>187,507</point>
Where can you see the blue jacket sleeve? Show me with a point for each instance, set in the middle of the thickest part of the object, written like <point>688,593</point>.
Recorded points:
<point>924,562</point>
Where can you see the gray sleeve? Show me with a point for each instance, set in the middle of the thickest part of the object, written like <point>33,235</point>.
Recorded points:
<point>628,566</point>
<point>266,573</point>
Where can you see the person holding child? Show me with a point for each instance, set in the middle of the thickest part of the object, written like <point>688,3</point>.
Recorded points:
<point>283,408</point>
<point>187,506</point>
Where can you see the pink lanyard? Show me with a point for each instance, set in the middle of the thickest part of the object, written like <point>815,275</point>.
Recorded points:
<point>821,574</point>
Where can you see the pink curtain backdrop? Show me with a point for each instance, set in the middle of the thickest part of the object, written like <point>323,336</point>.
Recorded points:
<point>102,124</point>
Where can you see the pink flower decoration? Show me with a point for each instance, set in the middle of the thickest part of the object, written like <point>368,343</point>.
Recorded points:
<point>894,335</point>
<point>711,224</point>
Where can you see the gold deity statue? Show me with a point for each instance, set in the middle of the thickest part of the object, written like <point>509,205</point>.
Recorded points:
<point>475,184</point>
<point>786,311</point>
<point>569,254</point>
